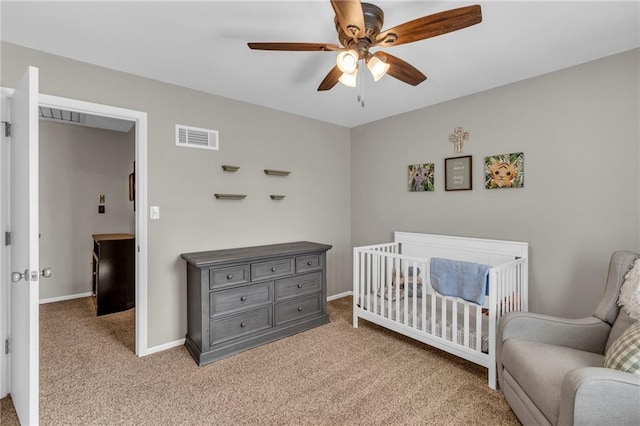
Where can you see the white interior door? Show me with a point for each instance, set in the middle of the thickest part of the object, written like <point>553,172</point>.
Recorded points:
<point>23,331</point>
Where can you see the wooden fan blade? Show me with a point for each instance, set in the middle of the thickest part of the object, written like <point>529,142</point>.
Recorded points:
<point>401,70</point>
<point>297,47</point>
<point>331,79</point>
<point>350,17</point>
<point>430,26</point>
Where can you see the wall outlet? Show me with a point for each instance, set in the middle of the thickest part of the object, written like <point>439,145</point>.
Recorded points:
<point>101,209</point>
<point>154,212</point>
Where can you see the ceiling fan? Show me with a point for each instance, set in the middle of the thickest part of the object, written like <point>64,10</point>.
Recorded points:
<point>359,27</point>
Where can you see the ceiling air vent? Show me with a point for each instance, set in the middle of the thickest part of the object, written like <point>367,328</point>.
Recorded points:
<point>194,137</point>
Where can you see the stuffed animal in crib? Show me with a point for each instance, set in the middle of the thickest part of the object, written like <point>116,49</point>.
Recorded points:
<point>503,174</point>
<point>400,282</point>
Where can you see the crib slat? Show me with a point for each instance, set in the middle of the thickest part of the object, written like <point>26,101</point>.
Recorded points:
<point>454,320</point>
<point>396,288</point>
<point>434,300</point>
<point>361,283</point>
<point>466,325</point>
<point>478,329</point>
<point>414,284</point>
<point>387,286</point>
<point>443,323</point>
<point>405,291</point>
<point>376,280</point>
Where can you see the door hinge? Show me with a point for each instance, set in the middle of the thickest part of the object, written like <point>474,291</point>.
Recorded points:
<point>7,238</point>
<point>6,346</point>
<point>7,128</point>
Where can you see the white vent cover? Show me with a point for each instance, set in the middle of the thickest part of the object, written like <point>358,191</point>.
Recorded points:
<point>194,137</point>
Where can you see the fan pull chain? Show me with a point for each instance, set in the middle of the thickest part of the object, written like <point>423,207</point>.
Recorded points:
<point>360,83</point>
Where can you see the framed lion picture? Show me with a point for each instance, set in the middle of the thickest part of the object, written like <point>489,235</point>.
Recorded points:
<point>421,177</point>
<point>504,171</point>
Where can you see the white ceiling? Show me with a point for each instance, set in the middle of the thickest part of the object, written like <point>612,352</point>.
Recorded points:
<point>203,45</point>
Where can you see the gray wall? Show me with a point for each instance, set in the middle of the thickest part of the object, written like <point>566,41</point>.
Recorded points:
<point>77,164</point>
<point>578,128</point>
<point>182,181</point>
<point>579,131</point>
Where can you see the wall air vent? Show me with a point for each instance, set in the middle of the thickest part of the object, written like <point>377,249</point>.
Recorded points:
<point>194,137</point>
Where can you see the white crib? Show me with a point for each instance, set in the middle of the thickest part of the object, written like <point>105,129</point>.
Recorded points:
<point>469,329</point>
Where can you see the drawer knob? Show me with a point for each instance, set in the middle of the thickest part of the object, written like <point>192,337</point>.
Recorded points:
<point>229,276</point>
<point>243,298</point>
<point>309,263</point>
<point>273,269</point>
<point>299,285</point>
<point>299,308</point>
<point>243,324</point>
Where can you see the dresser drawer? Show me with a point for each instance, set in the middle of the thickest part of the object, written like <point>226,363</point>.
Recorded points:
<point>238,325</point>
<point>298,308</point>
<point>228,276</point>
<point>298,285</point>
<point>312,262</point>
<point>274,268</point>
<point>245,297</point>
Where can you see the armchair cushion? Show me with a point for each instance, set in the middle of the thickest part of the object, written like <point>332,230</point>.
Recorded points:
<point>624,353</point>
<point>540,368</point>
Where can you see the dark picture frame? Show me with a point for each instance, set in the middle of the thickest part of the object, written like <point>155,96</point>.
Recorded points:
<point>132,186</point>
<point>458,174</point>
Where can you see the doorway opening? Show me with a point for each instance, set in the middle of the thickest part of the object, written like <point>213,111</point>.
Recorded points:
<point>139,120</point>
<point>87,221</point>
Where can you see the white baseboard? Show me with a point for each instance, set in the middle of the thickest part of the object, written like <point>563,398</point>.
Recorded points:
<point>62,298</point>
<point>163,347</point>
<point>339,296</point>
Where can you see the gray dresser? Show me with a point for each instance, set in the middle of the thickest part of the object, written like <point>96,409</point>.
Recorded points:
<point>241,298</point>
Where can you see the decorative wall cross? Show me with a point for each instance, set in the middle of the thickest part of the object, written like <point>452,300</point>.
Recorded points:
<point>458,137</point>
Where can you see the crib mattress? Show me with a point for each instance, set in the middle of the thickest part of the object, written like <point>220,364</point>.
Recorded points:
<point>398,316</point>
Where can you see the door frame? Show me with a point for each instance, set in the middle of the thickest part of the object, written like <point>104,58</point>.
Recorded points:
<point>141,202</point>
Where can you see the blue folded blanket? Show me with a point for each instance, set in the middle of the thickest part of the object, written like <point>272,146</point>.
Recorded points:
<point>466,280</point>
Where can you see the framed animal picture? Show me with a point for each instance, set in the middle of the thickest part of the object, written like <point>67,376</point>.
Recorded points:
<point>421,177</point>
<point>504,171</point>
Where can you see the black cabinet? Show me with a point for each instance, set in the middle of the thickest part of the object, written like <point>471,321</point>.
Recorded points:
<point>241,298</point>
<point>114,278</point>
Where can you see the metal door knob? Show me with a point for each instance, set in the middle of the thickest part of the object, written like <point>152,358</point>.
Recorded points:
<point>46,272</point>
<point>17,276</point>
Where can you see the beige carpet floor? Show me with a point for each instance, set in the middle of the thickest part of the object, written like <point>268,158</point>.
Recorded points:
<point>331,375</point>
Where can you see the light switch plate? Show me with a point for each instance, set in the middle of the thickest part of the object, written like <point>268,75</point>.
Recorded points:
<point>154,212</point>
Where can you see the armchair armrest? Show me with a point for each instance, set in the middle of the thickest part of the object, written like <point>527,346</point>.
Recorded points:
<point>587,334</point>
<point>594,395</point>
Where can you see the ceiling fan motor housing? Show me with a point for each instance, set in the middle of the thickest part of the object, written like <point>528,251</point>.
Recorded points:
<point>373,21</point>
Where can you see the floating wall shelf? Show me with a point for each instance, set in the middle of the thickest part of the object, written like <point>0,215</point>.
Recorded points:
<point>228,168</point>
<point>277,197</point>
<point>276,172</point>
<point>230,196</point>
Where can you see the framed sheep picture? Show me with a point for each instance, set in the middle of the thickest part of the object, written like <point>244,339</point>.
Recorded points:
<point>421,177</point>
<point>504,171</point>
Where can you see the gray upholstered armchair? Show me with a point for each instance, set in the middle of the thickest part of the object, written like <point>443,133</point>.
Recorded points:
<point>551,370</point>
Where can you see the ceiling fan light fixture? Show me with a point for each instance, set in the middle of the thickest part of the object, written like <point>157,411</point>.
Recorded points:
<point>378,67</point>
<point>349,79</point>
<point>347,61</point>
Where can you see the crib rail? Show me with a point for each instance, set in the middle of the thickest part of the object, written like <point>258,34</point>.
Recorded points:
<point>395,291</point>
